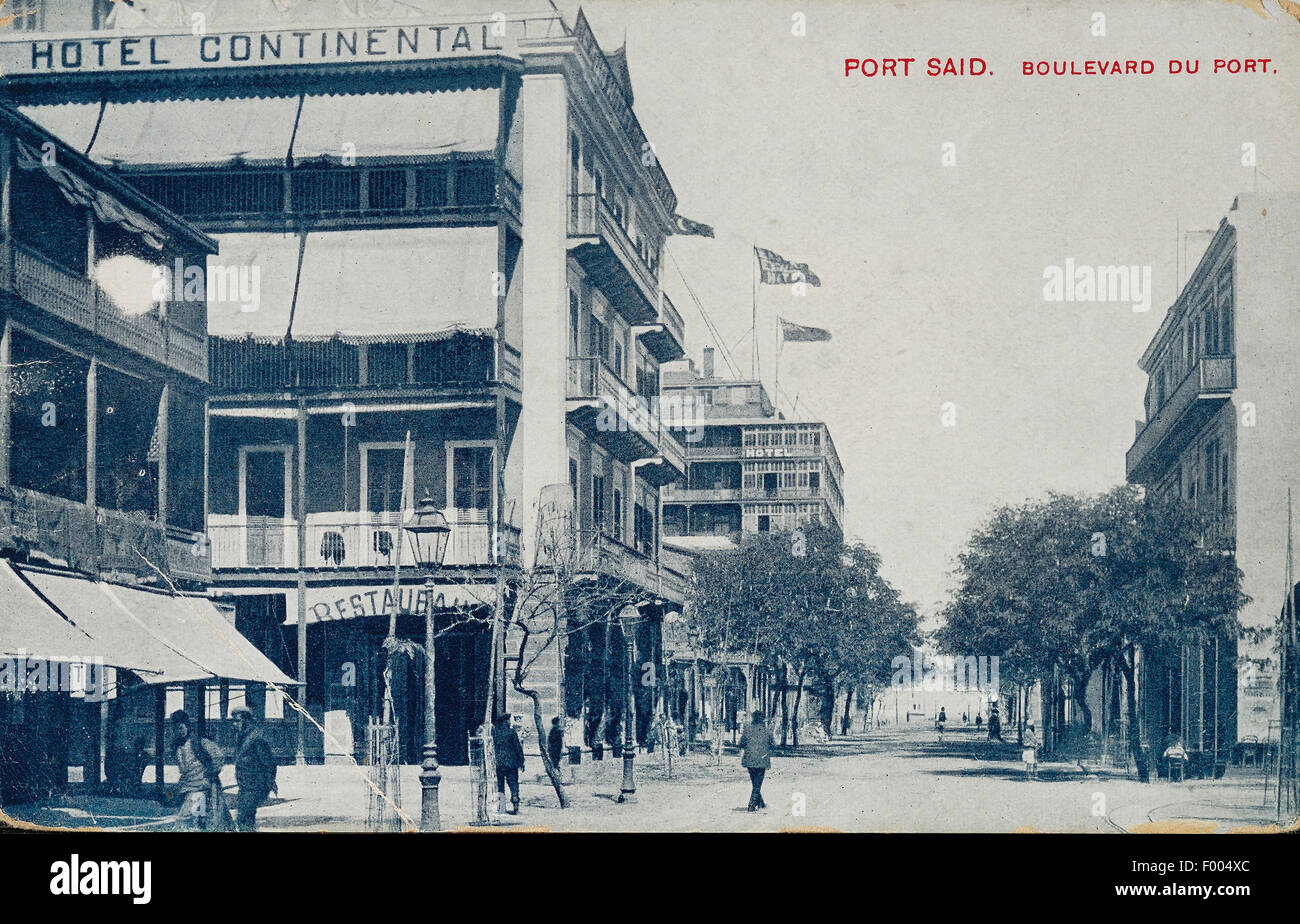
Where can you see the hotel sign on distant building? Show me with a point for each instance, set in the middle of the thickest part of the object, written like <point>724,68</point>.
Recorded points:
<point>102,52</point>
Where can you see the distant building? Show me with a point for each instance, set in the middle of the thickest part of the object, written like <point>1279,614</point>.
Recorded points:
<point>1222,430</point>
<point>752,470</point>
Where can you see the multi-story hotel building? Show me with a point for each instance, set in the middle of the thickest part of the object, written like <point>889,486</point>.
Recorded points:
<point>102,390</point>
<point>752,470</point>
<point>1222,430</point>
<point>449,225</point>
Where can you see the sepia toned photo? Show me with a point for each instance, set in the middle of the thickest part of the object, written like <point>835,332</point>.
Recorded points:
<point>641,417</point>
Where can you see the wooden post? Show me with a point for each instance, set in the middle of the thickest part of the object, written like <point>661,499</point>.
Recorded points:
<point>6,399</point>
<point>92,429</point>
<point>159,739</point>
<point>300,493</point>
<point>164,420</point>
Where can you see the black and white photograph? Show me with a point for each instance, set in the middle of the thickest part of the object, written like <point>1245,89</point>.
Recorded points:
<point>638,417</point>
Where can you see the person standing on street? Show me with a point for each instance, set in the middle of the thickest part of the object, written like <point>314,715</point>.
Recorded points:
<point>254,768</point>
<point>555,742</point>
<point>756,757</point>
<point>199,762</point>
<point>1030,753</point>
<point>510,760</point>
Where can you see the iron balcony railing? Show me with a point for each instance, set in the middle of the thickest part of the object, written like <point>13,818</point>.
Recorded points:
<point>590,216</point>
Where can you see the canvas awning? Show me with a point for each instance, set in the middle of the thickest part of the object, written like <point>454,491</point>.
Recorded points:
<point>193,132</point>
<point>360,282</point>
<point>29,627</point>
<point>172,639</point>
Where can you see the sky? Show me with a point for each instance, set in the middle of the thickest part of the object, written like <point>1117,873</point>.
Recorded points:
<point>933,275</point>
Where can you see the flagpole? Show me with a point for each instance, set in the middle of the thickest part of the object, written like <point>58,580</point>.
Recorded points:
<point>753,363</point>
<point>776,382</point>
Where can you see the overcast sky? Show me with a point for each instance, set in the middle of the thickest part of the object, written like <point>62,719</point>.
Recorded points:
<point>932,275</point>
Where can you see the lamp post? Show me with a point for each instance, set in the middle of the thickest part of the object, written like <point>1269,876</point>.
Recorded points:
<point>428,532</point>
<point>694,635</point>
<point>628,618</point>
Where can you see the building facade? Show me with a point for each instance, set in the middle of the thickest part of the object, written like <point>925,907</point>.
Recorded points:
<point>751,470</point>
<point>102,390</point>
<point>443,225</point>
<point>1222,430</point>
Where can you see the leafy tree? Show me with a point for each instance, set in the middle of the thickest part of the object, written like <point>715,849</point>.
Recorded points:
<point>1075,582</point>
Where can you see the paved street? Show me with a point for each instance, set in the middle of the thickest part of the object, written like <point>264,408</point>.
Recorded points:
<point>893,780</point>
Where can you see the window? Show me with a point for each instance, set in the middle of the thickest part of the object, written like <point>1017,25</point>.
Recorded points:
<point>574,314</point>
<point>618,359</point>
<point>383,466</point>
<point>598,503</point>
<point>706,396</point>
<point>575,162</point>
<point>472,477</point>
<point>618,514</point>
<point>1224,304</point>
<point>26,15</point>
<point>599,340</point>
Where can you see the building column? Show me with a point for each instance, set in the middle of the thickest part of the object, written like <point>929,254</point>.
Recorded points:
<point>543,273</point>
<point>92,430</point>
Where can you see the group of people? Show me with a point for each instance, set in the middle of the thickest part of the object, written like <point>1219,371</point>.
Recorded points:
<point>199,761</point>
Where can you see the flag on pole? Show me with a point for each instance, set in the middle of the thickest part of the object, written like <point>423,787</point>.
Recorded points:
<point>798,332</point>
<point>683,225</point>
<point>408,482</point>
<point>776,270</point>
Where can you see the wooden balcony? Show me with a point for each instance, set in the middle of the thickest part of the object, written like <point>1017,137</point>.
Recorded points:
<point>602,554</point>
<point>452,191</point>
<point>600,244</point>
<point>96,540</point>
<point>1201,393</point>
<point>666,338</point>
<point>78,301</point>
<point>602,406</point>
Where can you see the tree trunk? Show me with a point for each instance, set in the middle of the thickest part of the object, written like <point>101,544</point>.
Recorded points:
<point>798,696</point>
<point>785,704</point>
<point>551,770</point>
<point>1081,700</point>
<point>1129,671</point>
<point>847,722</point>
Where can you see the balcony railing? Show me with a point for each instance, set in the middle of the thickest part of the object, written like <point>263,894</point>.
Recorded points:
<point>339,541</point>
<point>78,301</point>
<point>677,495</point>
<point>784,493</point>
<point>251,365</point>
<point>666,338</point>
<point>606,251</point>
<point>454,190</point>
<point>94,539</point>
<point>1202,391</point>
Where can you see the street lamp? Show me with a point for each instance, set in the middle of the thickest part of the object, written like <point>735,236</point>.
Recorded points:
<point>427,531</point>
<point>628,618</point>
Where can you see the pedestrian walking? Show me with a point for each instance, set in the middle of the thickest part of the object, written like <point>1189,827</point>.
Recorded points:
<point>1030,753</point>
<point>198,761</point>
<point>995,724</point>
<point>756,757</point>
<point>555,742</point>
<point>254,768</point>
<point>510,760</point>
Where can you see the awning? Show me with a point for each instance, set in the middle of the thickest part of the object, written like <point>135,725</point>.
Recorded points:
<point>193,132</point>
<point>28,626</point>
<point>194,626</point>
<point>172,639</point>
<point>78,192</point>
<point>396,124</point>
<point>365,282</point>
